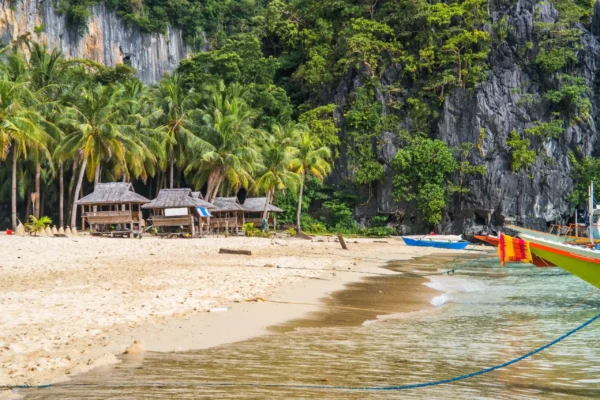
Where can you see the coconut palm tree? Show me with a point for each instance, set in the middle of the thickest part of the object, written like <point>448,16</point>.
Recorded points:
<point>227,149</point>
<point>141,160</point>
<point>19,128</point>
<point>309,159</point>
<point>100,134</point>
<point>177,107</point>
<point>275,173</point>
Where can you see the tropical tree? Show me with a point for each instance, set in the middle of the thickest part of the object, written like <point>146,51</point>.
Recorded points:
<point>275,173</point>
<point>227,149</point>
<point>141,160</point>
<point>19,128</point>
<point>175,120</point>
<point>100,134</point>
<point>309,159</point>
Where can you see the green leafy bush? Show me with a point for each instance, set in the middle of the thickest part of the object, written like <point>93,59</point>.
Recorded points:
<point>547,130</point>
<point>520,155</point>
<point>250,229</point>
<point>36,225</point>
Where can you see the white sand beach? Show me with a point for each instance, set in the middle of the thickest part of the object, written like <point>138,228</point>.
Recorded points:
<point>71,304</point>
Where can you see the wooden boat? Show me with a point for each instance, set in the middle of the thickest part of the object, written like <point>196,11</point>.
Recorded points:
<point>494,240</point>
<point>579,261</point>
<point>434,241</point>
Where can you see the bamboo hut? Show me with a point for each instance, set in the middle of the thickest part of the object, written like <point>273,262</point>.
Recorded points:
<point>113,208</point>
<point>254,209</point>
<point>228,214</point>
<point>178,208</point>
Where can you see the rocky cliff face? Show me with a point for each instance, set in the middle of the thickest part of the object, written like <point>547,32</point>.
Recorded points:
<point>108,40</point>
<point>535,196</point>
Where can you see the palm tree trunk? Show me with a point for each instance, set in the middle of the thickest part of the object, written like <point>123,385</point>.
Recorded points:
<point>77,191</point>
<point>13,211</point>
<point>42,202</point>
<point>71,185</point>
<point>266,211</point>
<point>36,204</point>
<point>28,204</point>
<point>299,213</point>
<point>171,173</point>
<point>61,195</point>
<point>96,176</point>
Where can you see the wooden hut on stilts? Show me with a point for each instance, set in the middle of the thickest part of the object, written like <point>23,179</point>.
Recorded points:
<point>254,209</point>
<point>113,209</point>
<point>228,214</point>
<point>175,210</point>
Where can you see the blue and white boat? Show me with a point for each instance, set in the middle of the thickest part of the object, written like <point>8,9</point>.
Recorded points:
<point>441,241</point>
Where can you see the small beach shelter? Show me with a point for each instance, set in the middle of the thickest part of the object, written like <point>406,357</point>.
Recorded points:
<point>174,208</point>
<point>113,208</point>
<point>254,209</point>
<point>228,214</point>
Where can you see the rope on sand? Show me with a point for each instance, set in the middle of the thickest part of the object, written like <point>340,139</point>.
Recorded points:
<point>351,388</point>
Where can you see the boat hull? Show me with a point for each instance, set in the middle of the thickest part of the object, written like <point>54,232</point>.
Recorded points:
<point>436,244</point>
<point>586,268</point>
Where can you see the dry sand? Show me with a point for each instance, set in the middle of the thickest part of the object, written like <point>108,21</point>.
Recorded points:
<point>70,305</point>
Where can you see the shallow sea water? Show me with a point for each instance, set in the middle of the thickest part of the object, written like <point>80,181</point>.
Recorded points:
<point>484,315</point>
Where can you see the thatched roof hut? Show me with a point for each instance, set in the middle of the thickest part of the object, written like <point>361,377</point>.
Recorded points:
<point>113,208</point>
<point>113,193</point>
<point>172,198</point>
<point>229,213</point>
<point>200,202</point>
<point>257,204</point>
<point>175,208</point>
<point>227,204</point>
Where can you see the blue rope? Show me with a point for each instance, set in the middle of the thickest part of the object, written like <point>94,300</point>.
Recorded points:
<point>363,388</point>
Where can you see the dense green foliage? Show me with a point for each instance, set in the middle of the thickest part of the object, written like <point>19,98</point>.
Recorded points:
<point>112,127</point>
<point>422,171</point>
<point>358,74</point>
<point>585,170</point>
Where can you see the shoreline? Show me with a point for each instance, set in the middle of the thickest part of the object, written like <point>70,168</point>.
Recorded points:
<point>178,328</point>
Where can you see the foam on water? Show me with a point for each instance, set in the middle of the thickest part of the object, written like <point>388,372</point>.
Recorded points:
<point>452,285</point>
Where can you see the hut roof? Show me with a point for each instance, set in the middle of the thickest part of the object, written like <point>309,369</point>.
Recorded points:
<point>172,198</point>
<point>200,202</point>
<point>257,204</point>
<point>227,204</point>
<point>113,193</point>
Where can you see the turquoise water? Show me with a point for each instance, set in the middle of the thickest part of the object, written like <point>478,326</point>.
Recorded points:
<point>483,315</point>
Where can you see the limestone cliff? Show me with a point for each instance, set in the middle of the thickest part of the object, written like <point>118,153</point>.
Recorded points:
<point>107,40</point>
<point>537,195</point>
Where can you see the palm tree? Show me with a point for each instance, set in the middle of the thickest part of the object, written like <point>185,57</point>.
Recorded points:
<point>276,170</point>
<point>50,79</point>
<point>308,160</point>
<point>100,134</point>
<point>227,149</point>
<point>176,109</point>
<point>19,128</point>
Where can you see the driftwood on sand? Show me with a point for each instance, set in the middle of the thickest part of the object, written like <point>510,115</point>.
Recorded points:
<point>342,242</point>
<point>231,251</point>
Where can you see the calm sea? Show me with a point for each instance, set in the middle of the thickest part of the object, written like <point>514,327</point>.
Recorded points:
<point>483,315</point>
